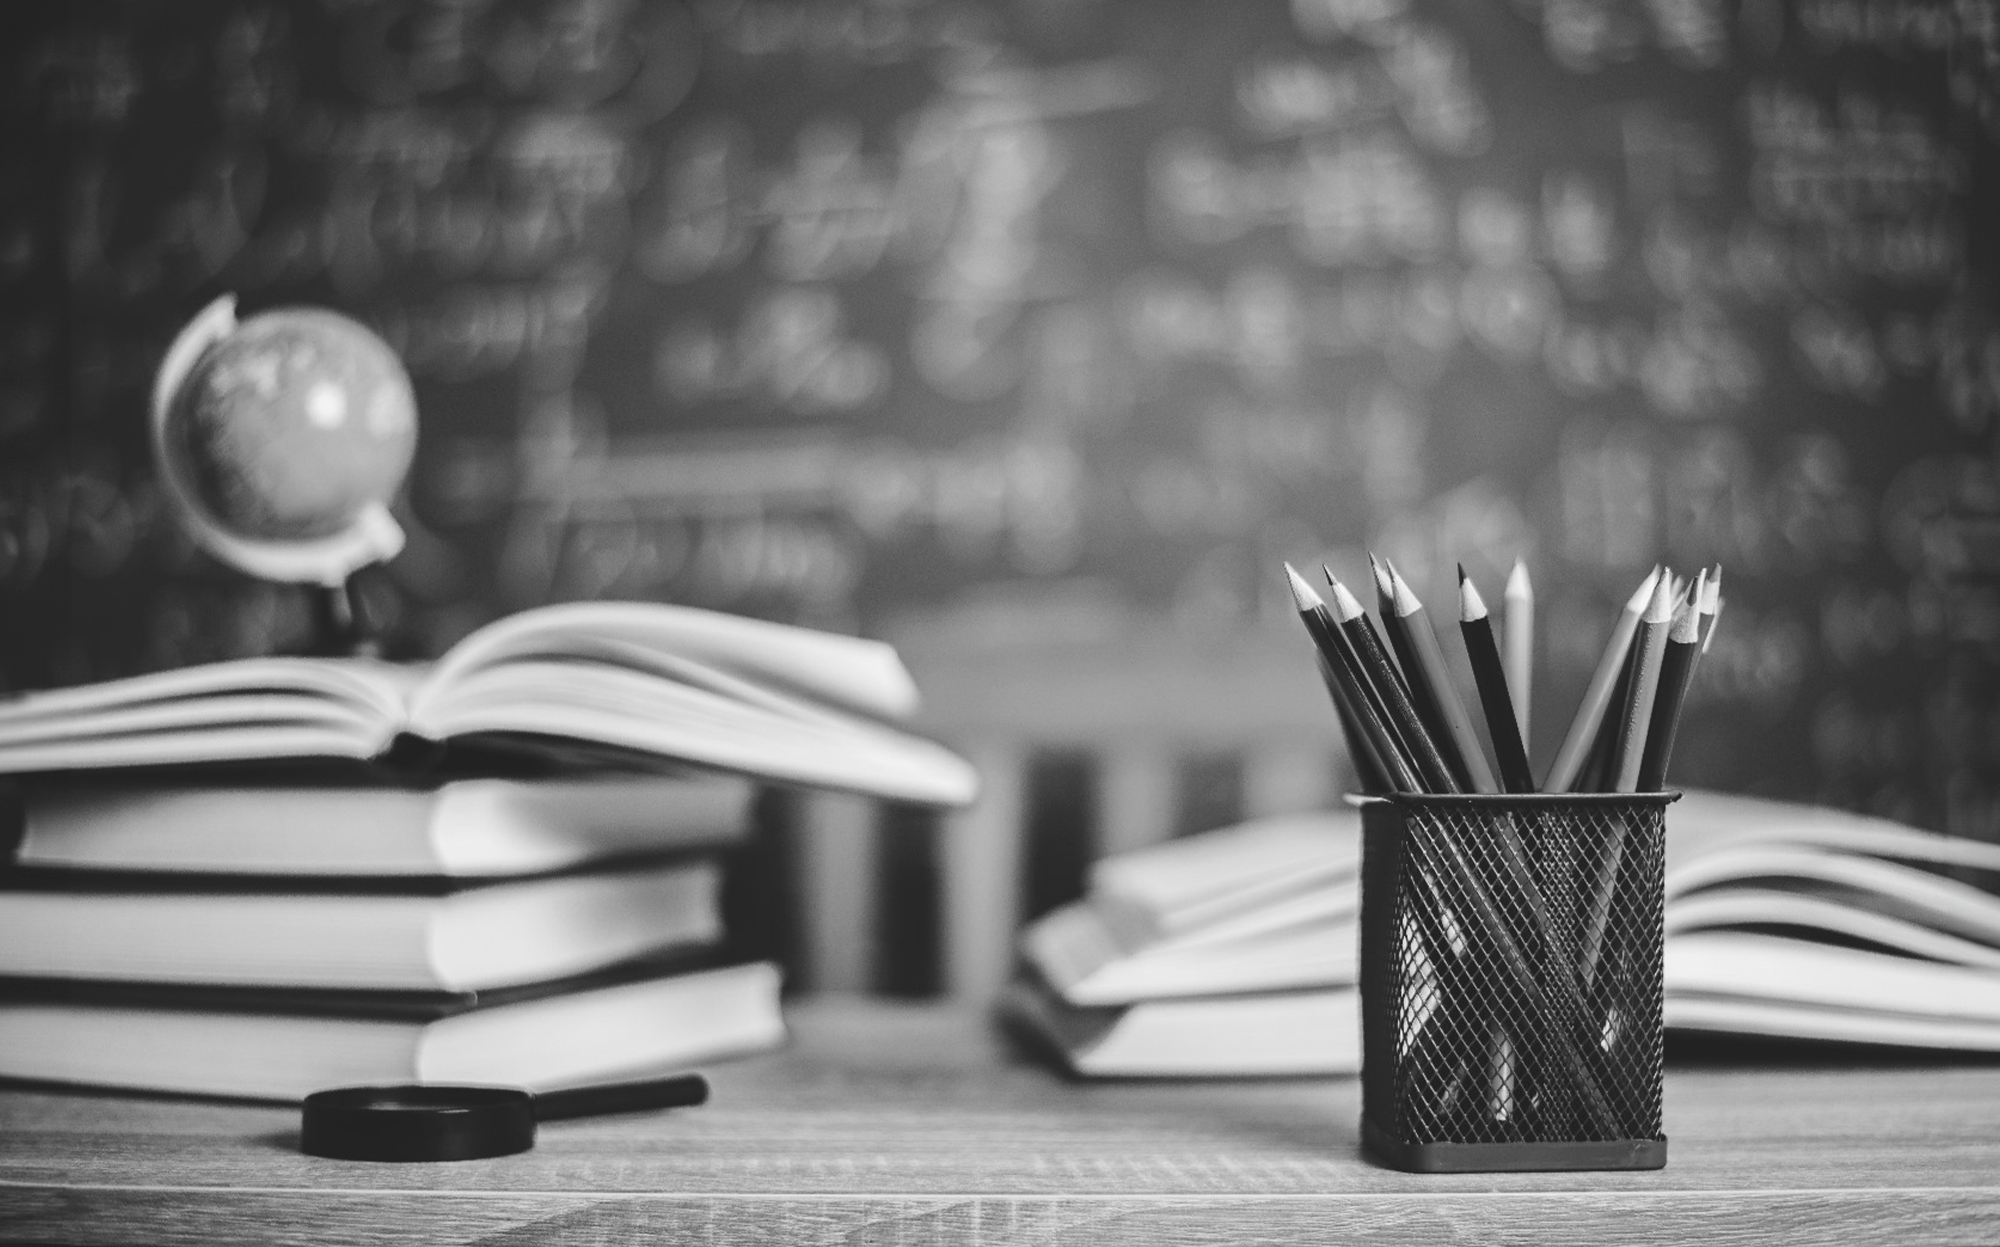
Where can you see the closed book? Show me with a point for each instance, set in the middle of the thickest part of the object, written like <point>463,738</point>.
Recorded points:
<point>630,681</point>
<point>401,935</point>
<point>466,828</point>
<point>549,1038</point>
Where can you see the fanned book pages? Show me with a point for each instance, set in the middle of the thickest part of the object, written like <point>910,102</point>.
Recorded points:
<point>633,679</point>
<point>1266,906</point>
<point>546,1038</point>
<point>1782,921</point>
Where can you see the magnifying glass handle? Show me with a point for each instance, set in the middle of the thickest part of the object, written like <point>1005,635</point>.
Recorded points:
<point>623,1097</point>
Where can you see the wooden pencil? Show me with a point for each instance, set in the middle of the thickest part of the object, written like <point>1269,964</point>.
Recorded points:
<point>1494,697</point>
<point>1575,750</point>
<point>1368,622</point>
<point>1677,666</point>
<point>1420,693</point>
<point>1362,748</point>
<point>1388,749</point>
<point>1375,668</point>
<point>1368,769</point>
<point>1518,637</point>
<point>1428,669</point>
<point>1649,647</point>
<point>1711,606</point>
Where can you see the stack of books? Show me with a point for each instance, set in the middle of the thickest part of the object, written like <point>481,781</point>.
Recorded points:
<point>1233,953</point>
<point>266,877</point>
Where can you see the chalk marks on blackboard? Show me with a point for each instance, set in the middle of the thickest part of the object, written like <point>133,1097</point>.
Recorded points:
<point>636,62</point>
<point>1419,74</point>
<point>1352,200</point>
<point>792,350</point>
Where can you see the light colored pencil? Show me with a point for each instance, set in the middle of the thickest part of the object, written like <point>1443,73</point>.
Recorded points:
<point>1575,749</point>
<point>1676,673</point>
<point>1518,637</point>
<point>1711,606</point>
<point>1650,647</point>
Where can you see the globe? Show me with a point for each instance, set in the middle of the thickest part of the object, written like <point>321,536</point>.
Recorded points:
<point>281,439</point>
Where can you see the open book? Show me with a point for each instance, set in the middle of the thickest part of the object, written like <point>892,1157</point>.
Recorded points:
<point>1783,921</point>
<point>625,678</point>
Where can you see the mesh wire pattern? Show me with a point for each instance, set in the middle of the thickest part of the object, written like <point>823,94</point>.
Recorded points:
<point>1511,967</point>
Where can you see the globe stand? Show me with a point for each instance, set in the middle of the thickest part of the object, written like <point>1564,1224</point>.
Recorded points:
<point>341,629</point>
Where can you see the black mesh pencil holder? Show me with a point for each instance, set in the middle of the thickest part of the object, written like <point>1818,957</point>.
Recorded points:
<point>1510,981</point>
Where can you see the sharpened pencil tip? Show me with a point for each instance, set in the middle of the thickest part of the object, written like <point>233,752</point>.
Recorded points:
<point>1470,605</point>
<point>1345,605</point>
<point>1518,584</point>
<point>1385,592</point>
<point>1644,593</point>
<point>1406,601</point>
<point>1661,609</point>
<point>1302,593</point>
<point>1711,589</point>
<point>1687,625</point>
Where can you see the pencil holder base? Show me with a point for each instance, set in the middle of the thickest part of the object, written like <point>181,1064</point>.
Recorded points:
<point>1511,981</point>
<point>1511,1157</point>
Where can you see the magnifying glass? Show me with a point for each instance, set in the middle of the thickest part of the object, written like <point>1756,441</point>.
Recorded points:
<point>446,1122</point>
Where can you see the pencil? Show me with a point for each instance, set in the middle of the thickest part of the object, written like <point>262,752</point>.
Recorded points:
<point>1428,669</point>
<point>1519,638</point>
<point>1312,610</point>
<point>1491,678</point>
<point>1369,622</point>
<point>1362,748</point>
<point>1368,769</point>
<point>1711,606</point>
<point>1597,696</point>
<point>1628,730</point>
<point>1374,667</point>
<point>1676,673</point>
<point>1649,647</point>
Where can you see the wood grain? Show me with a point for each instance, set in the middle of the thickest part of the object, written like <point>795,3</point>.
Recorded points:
<point>897,1124</point>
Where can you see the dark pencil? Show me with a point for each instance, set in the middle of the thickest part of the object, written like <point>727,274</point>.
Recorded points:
<point>1420,694</point>
<point>1676,673</point>
<point>1637,713</point>
<point>1374,667</point>
<point>1501,724</point>
<point>1429,669</point>
<point>1576,746</point>
<point>1368,769</point>
<point>1363,684</point>
<point>1312,610</point>
<point>1369,623</point>
<point>1361,748</point>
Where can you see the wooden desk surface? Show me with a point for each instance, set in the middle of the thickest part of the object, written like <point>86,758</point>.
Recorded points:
<point>900,1124</point>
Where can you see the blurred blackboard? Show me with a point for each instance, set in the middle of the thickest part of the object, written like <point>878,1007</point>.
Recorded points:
<point>845,311</point>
